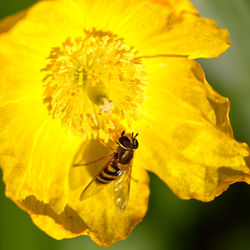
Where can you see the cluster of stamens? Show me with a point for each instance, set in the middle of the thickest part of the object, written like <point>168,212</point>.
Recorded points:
<point>93,80</point>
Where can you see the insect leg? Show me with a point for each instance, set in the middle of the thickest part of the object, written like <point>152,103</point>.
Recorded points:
<point>91,162</point>
<point>106,145</point>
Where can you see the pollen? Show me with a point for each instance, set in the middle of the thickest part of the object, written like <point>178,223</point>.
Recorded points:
<point>93,80</point>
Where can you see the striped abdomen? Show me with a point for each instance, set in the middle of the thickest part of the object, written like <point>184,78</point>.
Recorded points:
<point>109,173</point>
<point>116,166</point>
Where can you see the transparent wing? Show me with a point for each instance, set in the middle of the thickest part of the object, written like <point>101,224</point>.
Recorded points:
<point>93,187</point>
<point>121,188</point>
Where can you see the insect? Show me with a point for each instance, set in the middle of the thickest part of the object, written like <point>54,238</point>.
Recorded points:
<point>117,170</point>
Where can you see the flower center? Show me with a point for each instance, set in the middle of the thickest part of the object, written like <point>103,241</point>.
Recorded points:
<point>92,82</point>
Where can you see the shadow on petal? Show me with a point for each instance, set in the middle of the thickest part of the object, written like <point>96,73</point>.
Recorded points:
<point>228,176</point>
<point>69,220</point>
<point>88,151</point>
<point>218,180</point>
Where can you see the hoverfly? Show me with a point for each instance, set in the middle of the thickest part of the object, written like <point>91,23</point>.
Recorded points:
<point>117,170</point>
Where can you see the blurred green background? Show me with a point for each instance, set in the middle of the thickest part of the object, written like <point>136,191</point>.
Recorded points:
<point>172,223</point>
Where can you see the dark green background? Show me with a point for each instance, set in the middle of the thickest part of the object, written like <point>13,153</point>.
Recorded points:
<point>172,223</point>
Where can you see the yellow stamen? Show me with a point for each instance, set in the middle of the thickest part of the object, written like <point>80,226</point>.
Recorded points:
<point>92,81</point>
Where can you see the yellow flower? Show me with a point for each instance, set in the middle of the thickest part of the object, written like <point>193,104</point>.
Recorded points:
<point>76,73</point>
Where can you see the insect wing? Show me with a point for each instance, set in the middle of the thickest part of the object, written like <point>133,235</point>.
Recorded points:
<point>93,187</point>
<point>121,188</point>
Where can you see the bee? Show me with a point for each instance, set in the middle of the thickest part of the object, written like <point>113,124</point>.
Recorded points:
<point>117,170</point>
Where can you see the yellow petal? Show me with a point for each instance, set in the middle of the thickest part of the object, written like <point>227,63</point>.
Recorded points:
<point>186,33</point>
<point>186,137</point>
<point>191,36</point>
<point>97,217</point>
<point>46,24</point>
<point>36,153</point>
<point>37,156</point>
<point>176,29</point>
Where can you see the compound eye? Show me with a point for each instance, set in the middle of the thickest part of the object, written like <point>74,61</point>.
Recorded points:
<point>135,143</point>
<point>125,142</point>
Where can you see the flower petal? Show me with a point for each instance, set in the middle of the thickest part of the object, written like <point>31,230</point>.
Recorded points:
<point>187,131</point>
<point>191,36</point>
<point>46,24</point>
<point>37,157</point>
<point>176,29</point>
<point>36,153</point>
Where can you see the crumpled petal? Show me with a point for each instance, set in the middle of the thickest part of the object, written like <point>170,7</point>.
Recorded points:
<point>186,131</point>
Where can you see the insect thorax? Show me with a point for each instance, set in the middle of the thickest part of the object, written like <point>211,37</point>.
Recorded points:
<point>125,156</point>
